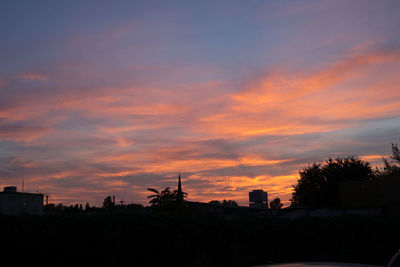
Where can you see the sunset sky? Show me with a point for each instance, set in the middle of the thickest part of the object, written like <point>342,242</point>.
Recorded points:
<point>105,98</point>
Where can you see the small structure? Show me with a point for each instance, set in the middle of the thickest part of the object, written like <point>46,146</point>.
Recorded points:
<point>258,199</point>
<point>15,203</point>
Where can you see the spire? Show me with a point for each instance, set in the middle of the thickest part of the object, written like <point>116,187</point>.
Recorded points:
<point>179,194</point>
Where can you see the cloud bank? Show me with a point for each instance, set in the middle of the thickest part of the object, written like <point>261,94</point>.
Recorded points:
<point>114,112</point>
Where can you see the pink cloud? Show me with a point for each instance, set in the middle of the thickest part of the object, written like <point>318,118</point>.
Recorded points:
<point>21,133</point>
<point>2,83</point>
<point>31,76</point>
<point>159,130</point>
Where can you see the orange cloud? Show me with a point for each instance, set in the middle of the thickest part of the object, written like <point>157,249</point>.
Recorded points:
<point>373,157</point>
<point>237,187</point>
<point>155,131</point>
<point>318,102</point>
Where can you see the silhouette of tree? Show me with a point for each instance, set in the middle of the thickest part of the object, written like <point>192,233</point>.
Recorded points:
<point>391,165</point>
<point>50,207</point>
<point>394,164</point>
<point>231,203</point>
<point>108,203</point>
<point>275,204</point>
<point>396,153</point>
<point>155,198</point>
<point>179,197</point>
<point>319,183</point>
<point>164,198</point>
<point>87,207</point>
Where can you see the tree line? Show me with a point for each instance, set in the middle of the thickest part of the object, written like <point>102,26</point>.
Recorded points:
<point>319,183</point>
<point>318,186</point>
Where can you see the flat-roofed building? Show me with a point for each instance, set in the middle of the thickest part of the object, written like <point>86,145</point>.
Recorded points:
<point>13,202</point>
<point>258,199</point>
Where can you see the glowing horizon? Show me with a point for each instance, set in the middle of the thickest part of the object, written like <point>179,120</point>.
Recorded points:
<point>110,99</point>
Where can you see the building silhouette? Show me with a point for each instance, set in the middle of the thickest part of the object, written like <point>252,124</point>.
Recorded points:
<point>14,203</point>
<point>258,199</point>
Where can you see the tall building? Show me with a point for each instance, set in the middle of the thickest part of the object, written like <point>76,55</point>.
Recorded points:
<point>258,199</point>
<point>14,203</point>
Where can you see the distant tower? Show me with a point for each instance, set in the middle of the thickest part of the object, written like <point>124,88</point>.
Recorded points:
<point>179,194</point>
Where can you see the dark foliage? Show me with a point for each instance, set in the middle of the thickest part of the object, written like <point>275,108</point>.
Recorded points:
<point>319,183</point>
<point>108,203</point>
<point>391,165</point>
<point>62,208</point>
<point>275,204</point>
<point>396,153</point>
<point>164,198</point>
<point>229,203</point>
